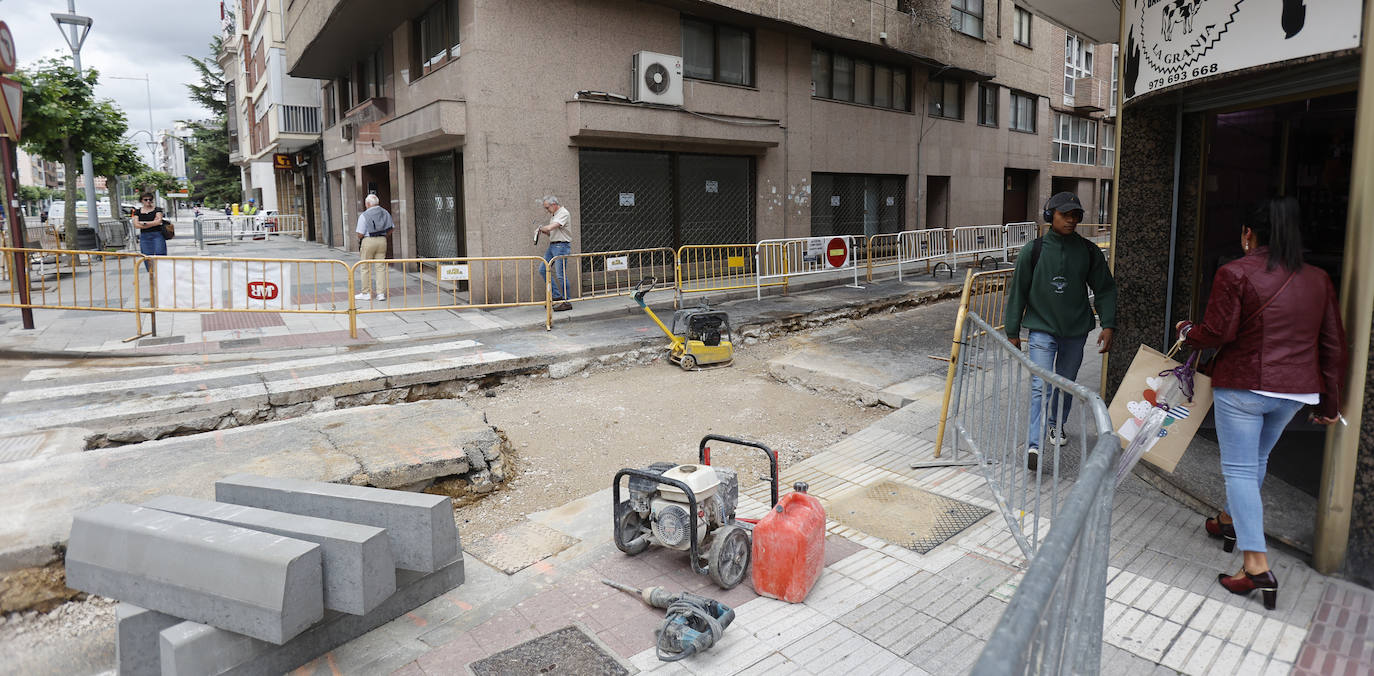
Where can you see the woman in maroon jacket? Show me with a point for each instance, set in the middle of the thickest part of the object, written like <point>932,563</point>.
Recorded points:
<point>1281,346</point>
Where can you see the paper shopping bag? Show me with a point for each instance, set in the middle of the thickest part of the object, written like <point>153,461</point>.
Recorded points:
<point>1139,396</point>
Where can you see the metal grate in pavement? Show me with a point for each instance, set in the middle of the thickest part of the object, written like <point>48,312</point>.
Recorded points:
<point>224,321</point>
<point>569,650</point>
<point>520,546</point>
<point>21,447</point>
<point>904,515</point>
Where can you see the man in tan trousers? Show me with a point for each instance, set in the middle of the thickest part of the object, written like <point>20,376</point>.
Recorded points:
<point>374,224</point>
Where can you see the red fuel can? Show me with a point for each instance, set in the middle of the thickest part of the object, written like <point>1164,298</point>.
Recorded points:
<point>789,547</point>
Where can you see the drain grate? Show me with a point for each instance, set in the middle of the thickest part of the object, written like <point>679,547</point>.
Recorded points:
<point>905,516</point>
<point>223,321</point>
<point>569,650</point>
<point>520,546</point>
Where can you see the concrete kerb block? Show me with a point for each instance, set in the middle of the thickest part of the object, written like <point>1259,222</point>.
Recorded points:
<point>359,572</point>
<point>420,527</point>
<point>191,648</point>
<point>136,639</point>
<point>266,586</point>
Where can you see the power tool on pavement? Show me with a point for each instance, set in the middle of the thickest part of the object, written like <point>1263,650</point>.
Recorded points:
<point>692,624</point>
<point>700,336</point>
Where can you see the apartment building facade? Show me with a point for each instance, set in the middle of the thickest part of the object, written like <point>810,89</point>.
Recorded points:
<point>807,117</point>
<point>274,118</point>
<point>172,150</point>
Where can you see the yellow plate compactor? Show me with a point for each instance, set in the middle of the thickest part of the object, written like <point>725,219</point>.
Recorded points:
<point>700,336</point>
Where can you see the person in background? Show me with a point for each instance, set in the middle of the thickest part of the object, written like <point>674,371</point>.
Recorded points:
<point>1049,296</point>
<point>374,226</point>
<point>559,230</point>
<point>152,240</point>
<point>1281,346</point>
<point>250,208</point>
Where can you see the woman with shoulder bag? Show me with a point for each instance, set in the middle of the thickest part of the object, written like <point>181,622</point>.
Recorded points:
<point>1281,345</point>
<point>148,220</point>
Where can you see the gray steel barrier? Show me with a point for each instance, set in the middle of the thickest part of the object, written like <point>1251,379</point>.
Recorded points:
<point>1054,622</point>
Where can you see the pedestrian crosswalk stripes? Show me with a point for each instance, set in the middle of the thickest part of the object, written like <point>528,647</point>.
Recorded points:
<point>203,374</point>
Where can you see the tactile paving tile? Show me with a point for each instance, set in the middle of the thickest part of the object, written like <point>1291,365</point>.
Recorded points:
<point>904,515</point>
<point>520,546</point>
<point>569,650</point>
<point>223,321</point>
<point>21,447</point>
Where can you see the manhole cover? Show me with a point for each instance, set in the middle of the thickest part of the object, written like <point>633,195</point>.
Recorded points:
<point>21,447</point>
<point>566,651</point>
<point>520,546</point>
<point>905,516</point>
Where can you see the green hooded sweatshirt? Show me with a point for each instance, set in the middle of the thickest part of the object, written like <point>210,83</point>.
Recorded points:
<point>1054,296</point>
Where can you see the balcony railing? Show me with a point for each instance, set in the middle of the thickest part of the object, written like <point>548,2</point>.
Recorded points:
<point>300,119</point>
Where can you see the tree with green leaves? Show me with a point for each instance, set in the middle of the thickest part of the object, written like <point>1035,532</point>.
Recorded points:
<point>214,180</point>
<point>63,119</point>
<point>118,160</point>
<point>156,181</point>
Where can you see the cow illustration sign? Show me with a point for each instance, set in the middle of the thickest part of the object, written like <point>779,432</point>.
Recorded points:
<point>1169,42</point>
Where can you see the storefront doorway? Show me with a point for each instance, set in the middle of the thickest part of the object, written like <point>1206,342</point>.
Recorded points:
<point>1300,148</point>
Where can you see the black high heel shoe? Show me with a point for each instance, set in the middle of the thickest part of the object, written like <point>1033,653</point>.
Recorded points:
<point>1265,582</point>
<point>1226,531</point>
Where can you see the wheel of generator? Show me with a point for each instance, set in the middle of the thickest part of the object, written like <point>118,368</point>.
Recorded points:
<point>728,560</point>
<point>629,530</point>
<point>688,362</point>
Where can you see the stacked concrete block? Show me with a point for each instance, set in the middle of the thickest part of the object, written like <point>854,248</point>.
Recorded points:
<point>423,536</point>
<point>261,585</point>
<point>358,570</point>
<point>288,571</point>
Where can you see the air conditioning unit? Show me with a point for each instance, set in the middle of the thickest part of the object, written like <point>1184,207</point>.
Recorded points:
<point>1089,95</point>
<point>346,130</point>
<point>657,79</point>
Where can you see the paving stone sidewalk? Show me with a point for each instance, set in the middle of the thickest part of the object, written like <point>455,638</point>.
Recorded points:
<point>880,608</point>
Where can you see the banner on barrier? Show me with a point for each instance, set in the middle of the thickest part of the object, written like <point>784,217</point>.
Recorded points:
<point>189,283</point>
<point>260,286</point>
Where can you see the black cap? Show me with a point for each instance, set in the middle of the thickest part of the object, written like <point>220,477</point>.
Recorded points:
<point>1064,202</point>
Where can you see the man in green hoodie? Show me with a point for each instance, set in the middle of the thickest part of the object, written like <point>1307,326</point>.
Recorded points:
<point>1049,297</point>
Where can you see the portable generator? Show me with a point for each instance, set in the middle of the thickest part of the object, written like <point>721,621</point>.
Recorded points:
<point>690,508</point>
<point>700,336</point>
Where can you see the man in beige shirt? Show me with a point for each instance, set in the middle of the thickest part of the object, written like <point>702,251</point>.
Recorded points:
<point>374,225</point>
<point>559,230</point>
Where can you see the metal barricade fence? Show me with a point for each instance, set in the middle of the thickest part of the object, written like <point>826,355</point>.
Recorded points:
<point>604,274</point>
<point>250,285</point>
<point>977,241</point>
<point>883,250</point>
<point>1019,234</point>
<point>986,294</point>
<point>994,409</point>
<point>715,267</point>
<point>425,284</point>
<point>62,279</point>
<point>800,256</point>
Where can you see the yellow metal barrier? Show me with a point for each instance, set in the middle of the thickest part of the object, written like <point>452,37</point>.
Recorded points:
<point>986,294</point>
<point>63,279</point>
<point>227,284</point>
<point>883,249</point>
<point>420,284</point>
<point>604,274</point>
<point>716,267</point>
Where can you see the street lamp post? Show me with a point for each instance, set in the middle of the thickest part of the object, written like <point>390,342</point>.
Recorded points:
<point>152,133</point>
<point>80,27</point>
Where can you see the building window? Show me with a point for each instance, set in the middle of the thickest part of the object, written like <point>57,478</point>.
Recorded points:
<point>846,78</point>
<point>370,77</point>
<point>327,101</point>
<point>1108,144</point>
<point>1116,58</point>
<point>947,99</point>
<point>344,87</point>
<point>1023,112</point>
<point>1075,140</point>
<point>1104,202</point>
<point>717,52</point>
<point>987,104</point>
<point>1078,61</point>
<point>1021,27</point>
<point>436,37</point>
<point>966,16</point>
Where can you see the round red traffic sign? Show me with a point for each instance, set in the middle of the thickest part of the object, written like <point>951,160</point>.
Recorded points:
<point>837,252</point>
<point>7,56</point>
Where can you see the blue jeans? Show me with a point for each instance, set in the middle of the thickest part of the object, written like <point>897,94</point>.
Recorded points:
<point>560,283</point>
<point>1063,355</point>
<point>1248,426</point>
<point>151,244</point>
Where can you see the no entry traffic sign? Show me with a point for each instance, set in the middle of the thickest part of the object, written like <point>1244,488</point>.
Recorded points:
<point>837,252</point>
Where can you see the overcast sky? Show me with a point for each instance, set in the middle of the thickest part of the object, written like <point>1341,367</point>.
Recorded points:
<point>176,27</point>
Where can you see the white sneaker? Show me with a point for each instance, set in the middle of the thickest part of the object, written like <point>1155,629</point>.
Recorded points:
<point>381,296</point>
<point>1056,436</point>
<point>363,296</point>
